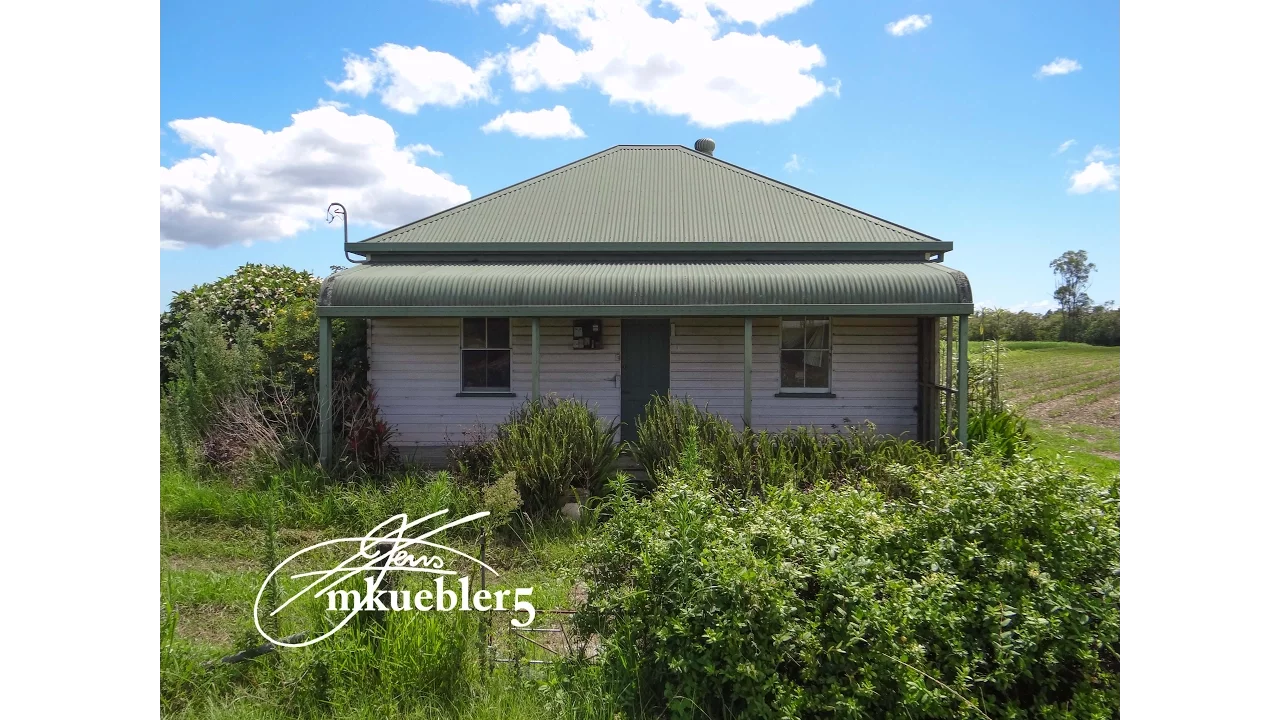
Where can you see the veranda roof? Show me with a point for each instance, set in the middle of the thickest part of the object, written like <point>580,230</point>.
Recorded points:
<point>646,289</point>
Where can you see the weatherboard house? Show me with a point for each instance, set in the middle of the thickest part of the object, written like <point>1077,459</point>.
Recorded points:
<point>646,270</point>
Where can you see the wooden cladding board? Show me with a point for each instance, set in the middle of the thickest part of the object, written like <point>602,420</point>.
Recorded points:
<point>873,368</point>
<point>414,367</point>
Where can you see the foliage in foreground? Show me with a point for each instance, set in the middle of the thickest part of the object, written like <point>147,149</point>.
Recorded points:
<point>552,445</point>
<point>752,460</point>
<point>992,592</point>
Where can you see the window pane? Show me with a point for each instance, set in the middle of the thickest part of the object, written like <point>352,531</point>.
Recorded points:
<point>499,333</point>
<point>817,368</point>
<point>818,335</point>
<point>499,369</point>
<point>473,369</point>
<point>792,334</point>
<point>473,332</point>
<point>793,368</point>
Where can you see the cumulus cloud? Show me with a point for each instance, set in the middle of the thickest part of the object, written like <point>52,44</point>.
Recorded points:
<point>793,164</point>
<point>909,24</point>
<point>687,66</point>
<point>1059,66</point>
<point>1095,176</point>
<point>537,124</point>
<point>546,63</point>
<point>406,78</point>
<point>250,184</point>
<point>1066,145</point>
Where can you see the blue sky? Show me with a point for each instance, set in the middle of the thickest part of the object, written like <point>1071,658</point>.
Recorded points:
<point>955,122</point>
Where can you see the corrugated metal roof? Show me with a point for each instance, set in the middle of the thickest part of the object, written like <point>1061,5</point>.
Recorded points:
<point>648,194</point>
<point>646,289</point>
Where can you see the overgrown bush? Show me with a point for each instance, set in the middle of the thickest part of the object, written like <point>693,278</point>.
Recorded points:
<point>553,445</point>
<point>749,460</point>
<point>471,460</point>
<point>992,592</point>
<point>250,298</point>
<point>237,403</point>
<point>206,373</point>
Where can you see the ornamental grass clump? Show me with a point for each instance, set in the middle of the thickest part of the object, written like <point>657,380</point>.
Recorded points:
<point>554,445</point>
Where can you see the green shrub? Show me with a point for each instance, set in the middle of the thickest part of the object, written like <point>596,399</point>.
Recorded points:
<point>749,460</point>
<point>250,298</point>
<point>471,461</point>
<point>206,372</point>
<point>993,588</point>
<point>1002,431</point>
<point>553,445</point>
<point>664,428</point>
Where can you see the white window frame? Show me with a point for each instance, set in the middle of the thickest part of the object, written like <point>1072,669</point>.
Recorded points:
<point>828,350</point>
<point>463,350</point>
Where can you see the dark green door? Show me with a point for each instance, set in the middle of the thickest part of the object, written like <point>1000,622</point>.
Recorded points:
<point>646,367</point>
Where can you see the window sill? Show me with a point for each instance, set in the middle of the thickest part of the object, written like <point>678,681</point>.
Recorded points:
<point>804,395</point>
<point>485,393</point>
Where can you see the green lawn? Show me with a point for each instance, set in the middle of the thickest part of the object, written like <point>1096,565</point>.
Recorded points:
<point>1070,393</point>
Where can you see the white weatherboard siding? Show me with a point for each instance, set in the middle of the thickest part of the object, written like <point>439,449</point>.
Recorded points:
<point>414,368</point>
<point>873,369</point>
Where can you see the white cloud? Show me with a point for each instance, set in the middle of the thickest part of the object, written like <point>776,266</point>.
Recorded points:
<point>1065,146</point>
<point>909,24</point>
<point>424,148</point>
<point>1059,66</point>
<point>407,78</point>
<point>471,3</point>
<point>545,63</point>
<point>332,103</point>
<point>793,164</point>
<point>1099,153</point>
<point>254,184</point>
<point>537,124</point>
<point>1096,176</point>
<point>685,66</point>
<point>756,12</point>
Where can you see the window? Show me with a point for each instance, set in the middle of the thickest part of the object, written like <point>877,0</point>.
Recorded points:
<point>486,354</point>
<point>806,354</point>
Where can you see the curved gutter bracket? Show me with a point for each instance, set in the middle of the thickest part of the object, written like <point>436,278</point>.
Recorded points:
<point>342,210</point>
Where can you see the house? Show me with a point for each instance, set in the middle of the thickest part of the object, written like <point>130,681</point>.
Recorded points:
<point>651,269</point>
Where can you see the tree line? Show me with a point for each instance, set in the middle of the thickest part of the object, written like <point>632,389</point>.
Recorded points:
<point>1076,319</point>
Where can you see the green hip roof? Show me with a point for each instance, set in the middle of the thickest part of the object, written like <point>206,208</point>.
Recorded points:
<point>640,289</point>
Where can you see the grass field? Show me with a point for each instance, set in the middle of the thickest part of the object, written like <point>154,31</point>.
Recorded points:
<point>1070,393</point>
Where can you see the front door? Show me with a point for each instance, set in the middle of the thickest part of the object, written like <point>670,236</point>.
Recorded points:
<point>646,367</point>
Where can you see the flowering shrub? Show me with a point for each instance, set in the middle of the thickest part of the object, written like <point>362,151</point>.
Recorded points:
<point>253,296</point>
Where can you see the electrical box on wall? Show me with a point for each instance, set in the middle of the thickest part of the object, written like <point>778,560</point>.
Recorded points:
<point>588,334</point>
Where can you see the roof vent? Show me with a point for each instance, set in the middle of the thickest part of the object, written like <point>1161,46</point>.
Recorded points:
<point>706,146</point>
